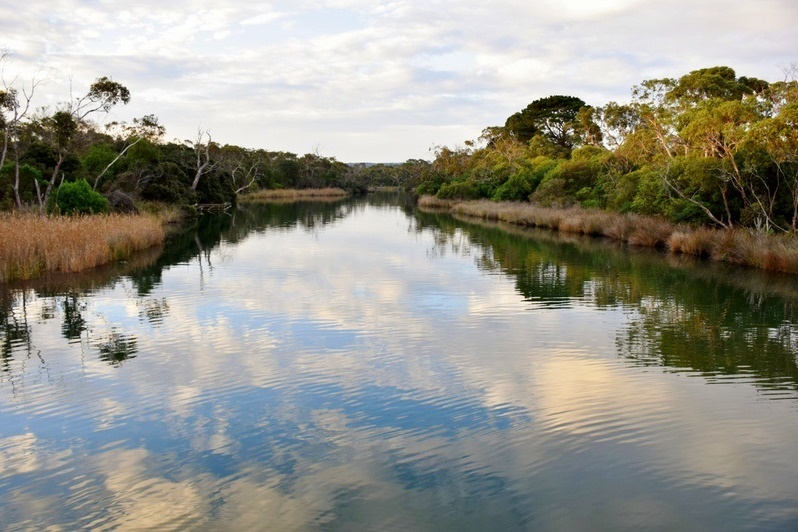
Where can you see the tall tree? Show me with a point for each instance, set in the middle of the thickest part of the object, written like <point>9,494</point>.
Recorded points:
<point>102,96</point>
<point>202,153</point>
<point>14,106</point>
<point>144,128</point>
<point>554,117</point>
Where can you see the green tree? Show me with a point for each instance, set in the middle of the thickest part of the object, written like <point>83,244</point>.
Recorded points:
<point>554,117</point>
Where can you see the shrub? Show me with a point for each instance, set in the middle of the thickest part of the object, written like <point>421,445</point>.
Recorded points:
<point>517,188</point>
<point>78,197</point>
<point>651,232</point>
<point>458,190</point>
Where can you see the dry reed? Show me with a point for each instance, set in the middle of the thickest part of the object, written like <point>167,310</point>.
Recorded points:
<point>294,194</point>
<point>431,202</point>
<point>31,245</point>
<point>739,246</point>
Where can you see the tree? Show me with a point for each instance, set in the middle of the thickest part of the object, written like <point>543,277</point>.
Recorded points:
<point>14,106</point>
<point>202,153</point>
<point>244,166</point>
<point>554,117</point>
<point>60,128</point>
<point>719,82</point>
<point>103,95</point>
<point>144,128</point>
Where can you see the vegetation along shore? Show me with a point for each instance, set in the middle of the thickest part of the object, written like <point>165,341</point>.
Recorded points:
<point>293,194</point>
<point>31,245</point>
<point>703,164</point>
<point>739,246</point>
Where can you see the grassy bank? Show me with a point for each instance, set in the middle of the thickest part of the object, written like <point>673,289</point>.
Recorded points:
<point>739,246</point>
<point>32,245</point>
<point>293,194</point>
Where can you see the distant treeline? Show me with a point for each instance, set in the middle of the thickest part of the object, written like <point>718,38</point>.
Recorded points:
<point>61,160</point>
<point>708,147</point>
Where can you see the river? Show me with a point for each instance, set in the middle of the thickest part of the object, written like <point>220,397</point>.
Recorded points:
<point>361,365</point>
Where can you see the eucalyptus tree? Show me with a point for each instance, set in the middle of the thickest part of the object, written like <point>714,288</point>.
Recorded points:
<point>553,117</point>
<point>202,156</point>
<point>146,128</point>
<point>59,129</point>
<point>15,103</point>
<point>245,167</point>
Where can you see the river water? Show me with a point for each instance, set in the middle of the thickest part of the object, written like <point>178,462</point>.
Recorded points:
<point>360,365</point>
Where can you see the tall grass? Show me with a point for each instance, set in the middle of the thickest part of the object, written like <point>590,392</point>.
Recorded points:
<point>294,194</point>
<point>31,245</point>
<point>739,246</point>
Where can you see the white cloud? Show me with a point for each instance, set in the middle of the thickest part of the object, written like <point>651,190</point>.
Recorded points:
<point>344,73</point>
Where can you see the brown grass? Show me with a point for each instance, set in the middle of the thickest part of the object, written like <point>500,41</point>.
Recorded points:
<point>739,246</point>
<point>293,194</point>
<point>648,231</point>
<point>31,245</point>
<point>431,202</point>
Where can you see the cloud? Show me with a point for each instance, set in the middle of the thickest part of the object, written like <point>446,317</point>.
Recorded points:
<point>343,73</point>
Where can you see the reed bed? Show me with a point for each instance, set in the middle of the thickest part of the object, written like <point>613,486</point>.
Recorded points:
<point>294,194</point>
<point>32,245</point>
<point>736,246</point>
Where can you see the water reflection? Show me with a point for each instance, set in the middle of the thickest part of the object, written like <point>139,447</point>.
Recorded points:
<point>705,318</point>
<point>358,365</point>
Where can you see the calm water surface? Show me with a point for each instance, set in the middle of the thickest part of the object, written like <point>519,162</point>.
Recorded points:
<point>362,366</point>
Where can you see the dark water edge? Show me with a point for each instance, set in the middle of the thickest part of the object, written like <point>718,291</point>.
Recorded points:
<point>362,365</point>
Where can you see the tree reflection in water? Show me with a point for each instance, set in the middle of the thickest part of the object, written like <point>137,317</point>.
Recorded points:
<point>682,313</point>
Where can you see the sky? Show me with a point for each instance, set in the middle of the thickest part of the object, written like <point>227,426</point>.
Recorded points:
<point>374,80</point>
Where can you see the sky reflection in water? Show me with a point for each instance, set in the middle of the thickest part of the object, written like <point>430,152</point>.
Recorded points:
<point>361,366</point>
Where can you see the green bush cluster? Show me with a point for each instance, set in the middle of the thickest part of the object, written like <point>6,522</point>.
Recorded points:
<point>78,197</point>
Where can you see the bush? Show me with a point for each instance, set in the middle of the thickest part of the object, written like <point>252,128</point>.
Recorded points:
<point>78,198</point>
<point>518,187</point>
<point>458,190</point>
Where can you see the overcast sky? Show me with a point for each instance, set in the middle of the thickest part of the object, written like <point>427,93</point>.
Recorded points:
<point>372,80</point>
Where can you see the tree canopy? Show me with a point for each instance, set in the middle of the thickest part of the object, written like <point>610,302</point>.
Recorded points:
<point>706,147</point>
<point>553,117</point>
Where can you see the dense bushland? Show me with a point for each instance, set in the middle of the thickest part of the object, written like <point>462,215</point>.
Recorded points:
<point>47,153</point>
<point>707,148</point>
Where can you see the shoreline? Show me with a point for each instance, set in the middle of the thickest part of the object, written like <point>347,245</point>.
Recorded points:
<point>742,247</point>
<point>32,246</point>
<point>291,194</point>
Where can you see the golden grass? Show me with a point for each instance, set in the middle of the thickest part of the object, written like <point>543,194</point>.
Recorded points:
<point>431,202</point>
<point>31,245</point>
<point>293,194</point>
<point>739,246</point>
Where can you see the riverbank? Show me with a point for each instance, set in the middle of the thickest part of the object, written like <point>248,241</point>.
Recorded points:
<point>293,194</point>
<point>738,246</point>
<point>32,245</point>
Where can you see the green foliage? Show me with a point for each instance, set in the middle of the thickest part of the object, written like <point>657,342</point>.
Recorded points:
<point>430,183</point>
<point>27,175</point>
<point>518,187</point>
<point>715,82</point>
<point>96,159</point>
<point>78,197</point>
<point>562,183</point>
<point>64,127</point>
<point>170,184</point>
<point>706,147</point>
<point>553,117</point>
<point>465,190</point>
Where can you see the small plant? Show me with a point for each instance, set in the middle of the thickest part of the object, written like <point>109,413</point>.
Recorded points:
<point>78,198</point>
